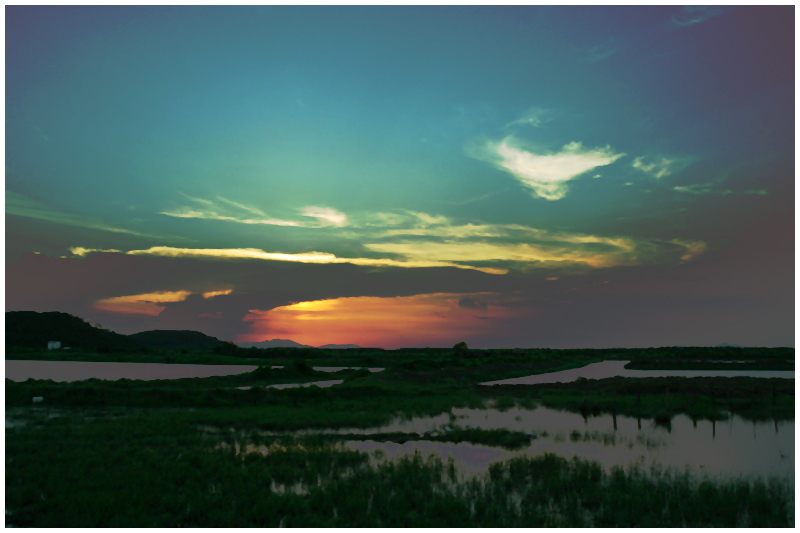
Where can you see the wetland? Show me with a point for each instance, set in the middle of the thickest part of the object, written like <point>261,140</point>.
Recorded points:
<point>403,439</point>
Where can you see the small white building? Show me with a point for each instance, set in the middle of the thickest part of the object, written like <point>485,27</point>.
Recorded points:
<point>53,345</point>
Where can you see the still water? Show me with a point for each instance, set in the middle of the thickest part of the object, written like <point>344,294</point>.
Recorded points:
<point>724,448</point>
<point>78,370</point>
<point>321,384</point>
<point>610,369</point>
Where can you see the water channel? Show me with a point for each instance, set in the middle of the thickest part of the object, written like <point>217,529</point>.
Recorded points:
<point>610,369</point>
<point>66,371</point>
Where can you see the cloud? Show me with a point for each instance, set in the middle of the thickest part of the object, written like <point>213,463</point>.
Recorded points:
<point>19,205</point>
<point>600,52</point>
<point>326,216</point>
<point>702,188</point>
<point>309,257</point>
<point>231,211</point>
<point>144,304</point>
<point>690,15</point>
<point>693,248</point>
<point>658,169</point>
<point>212,294</point>
<point>548,173</point>
<point>411,239</point>
<point>227,210</point>
<point>527,254</point>
<point>478,198</point>
<point>534,116</point>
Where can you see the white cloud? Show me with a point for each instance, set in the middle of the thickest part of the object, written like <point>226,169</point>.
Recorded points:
<point>326,216</point>
<point>548,174</point>
<point>658,169</point>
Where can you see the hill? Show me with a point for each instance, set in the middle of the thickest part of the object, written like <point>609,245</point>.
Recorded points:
<point>274,343</point>
<point>168,339</point>
<point>29,329</point>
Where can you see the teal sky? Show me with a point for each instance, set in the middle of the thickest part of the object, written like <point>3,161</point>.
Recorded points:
<point>642,158</point>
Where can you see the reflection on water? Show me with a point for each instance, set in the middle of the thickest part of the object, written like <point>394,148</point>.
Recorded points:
<point>610,369</point>
<point>337,368</point>
<point>78,370</point>
<point>731,447</point>
<point>322,384</point>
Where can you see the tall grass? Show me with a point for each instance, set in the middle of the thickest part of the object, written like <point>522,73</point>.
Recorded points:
<point>151,472</point>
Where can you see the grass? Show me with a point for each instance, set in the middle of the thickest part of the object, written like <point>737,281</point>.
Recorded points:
<point>129,453</point>
<point>659,398</point>
<point>147,471</point>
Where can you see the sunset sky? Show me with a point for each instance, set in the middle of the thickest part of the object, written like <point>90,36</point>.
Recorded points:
<point>406,176</point>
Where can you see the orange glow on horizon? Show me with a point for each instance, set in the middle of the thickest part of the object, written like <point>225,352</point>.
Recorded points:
<point>429,320</point>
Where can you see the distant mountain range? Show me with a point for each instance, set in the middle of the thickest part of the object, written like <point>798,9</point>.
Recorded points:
<point>29,329</point>
<point>274,343</point>
<point>286,343</point>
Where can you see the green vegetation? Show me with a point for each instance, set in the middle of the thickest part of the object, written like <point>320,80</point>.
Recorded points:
<point>699,398</point>
<point>159,471</point>
<point>28,330</point>
<point>84,453</point>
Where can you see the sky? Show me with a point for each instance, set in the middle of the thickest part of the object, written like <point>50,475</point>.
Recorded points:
<point>562,177</point>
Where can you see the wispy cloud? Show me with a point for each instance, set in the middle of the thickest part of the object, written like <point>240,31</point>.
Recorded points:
<point>478,198</point>
<point>326,216</point>
<point>420,240</point>
<point>538,255</point>
<point>534,116</point>
<point>702,188</point>
<point>418,237</point>
<point>690,15</point>
<point>600,52</point>
<point>225,209</point>
<point>19,205</point>
<point>657,169</point>
<point>146,304</point>
<point>693,248</point>
<point>548,173</point>
<point>309,257</point>
<point>231,211</point>
<point>143,304</point>
<point>212,294</point>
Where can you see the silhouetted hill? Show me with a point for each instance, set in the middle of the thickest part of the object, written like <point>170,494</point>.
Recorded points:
<point>29,329</point>
<point>274,343</point>
<point>169,339</point>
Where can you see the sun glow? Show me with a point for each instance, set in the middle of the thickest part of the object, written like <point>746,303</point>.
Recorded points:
<point>427,320</point>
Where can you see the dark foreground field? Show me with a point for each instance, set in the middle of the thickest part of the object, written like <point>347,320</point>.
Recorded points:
<point>199,452</point>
